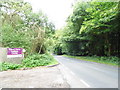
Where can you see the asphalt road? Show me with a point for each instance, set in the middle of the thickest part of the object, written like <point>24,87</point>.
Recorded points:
<point>93,75</point>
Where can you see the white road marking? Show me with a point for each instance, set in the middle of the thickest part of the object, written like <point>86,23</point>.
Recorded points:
<point>75,75</point>
<point>85,83</point>
<point>72,73</point>
<point>30,87</point>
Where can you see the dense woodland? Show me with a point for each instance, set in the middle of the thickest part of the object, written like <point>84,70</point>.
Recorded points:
<point>92,29</point>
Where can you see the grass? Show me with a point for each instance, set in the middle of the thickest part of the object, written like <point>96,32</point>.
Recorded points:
<point>33,60</point>
<point>54,62</point>
<point>103,60</point>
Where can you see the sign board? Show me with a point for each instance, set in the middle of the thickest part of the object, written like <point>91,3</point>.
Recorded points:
<point>14,52</point>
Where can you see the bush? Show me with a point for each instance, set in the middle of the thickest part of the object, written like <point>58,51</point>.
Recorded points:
<point>6,66</point>
<point>58,49</point>
<point>74,48</point>
<point>33,60</point>
<point>37,60</point>
<point>111,59</point>
<point>12,38</point>
<point>99,59</point>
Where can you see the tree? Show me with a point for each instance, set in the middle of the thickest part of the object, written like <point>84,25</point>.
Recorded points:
<point>23,28</point>
<point>92,28</point>
<point>101,25</point>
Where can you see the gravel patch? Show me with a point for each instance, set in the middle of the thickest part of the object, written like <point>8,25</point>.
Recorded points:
<point>40,77</point>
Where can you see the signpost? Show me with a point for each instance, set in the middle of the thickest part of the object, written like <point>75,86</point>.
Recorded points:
<point>14,52</point>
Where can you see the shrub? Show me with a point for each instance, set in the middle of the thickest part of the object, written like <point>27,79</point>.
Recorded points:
<point>58,49</point>
<point>6,66</point>
<point>32,60</point>
<point>37,60</point>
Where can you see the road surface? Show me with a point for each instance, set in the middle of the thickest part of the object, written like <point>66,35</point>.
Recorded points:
<point>93,75</point>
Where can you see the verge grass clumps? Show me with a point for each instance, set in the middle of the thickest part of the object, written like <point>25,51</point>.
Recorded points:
<point>33,60</point>
<point>115,61</point>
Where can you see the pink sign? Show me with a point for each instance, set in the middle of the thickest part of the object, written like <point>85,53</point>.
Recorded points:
<point>14,51</point>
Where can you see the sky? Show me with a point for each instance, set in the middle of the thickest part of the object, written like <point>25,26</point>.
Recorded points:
<point>56,10</point>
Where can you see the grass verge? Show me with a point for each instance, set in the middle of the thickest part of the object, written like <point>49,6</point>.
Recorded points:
<point>33,60</point>
<point>114,61</point>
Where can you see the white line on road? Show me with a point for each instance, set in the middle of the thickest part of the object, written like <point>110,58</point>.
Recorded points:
<point>30,87</point>
<point>85,83</point>
<point>74,74</point>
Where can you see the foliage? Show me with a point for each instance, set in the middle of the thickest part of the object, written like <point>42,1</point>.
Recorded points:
<point>58,49</point>
<point>101,25</point>
<point>57,42</point>
<point>99,59</point>
<point>6,66</point>
<point>37,60</point>
<point>33,60</point>
<point>12,38</point>
<point>92,29</point>
<point>22,28</point>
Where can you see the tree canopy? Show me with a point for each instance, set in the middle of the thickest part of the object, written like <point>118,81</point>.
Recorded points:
<point>23,28</point>
<point>92,28</point>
